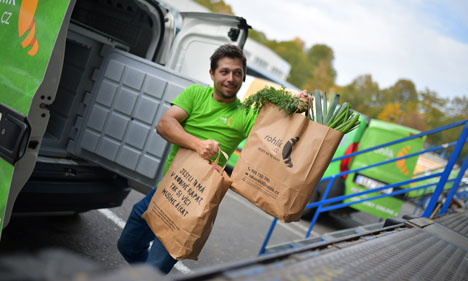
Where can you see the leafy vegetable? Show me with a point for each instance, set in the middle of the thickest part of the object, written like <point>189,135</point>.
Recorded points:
<point>279,97</point>
<point>339,117</point>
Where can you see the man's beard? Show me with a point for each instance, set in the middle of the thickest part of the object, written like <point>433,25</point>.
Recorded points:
<point>225,96</point>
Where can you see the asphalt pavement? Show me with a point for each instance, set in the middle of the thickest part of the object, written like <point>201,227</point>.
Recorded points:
<point>238,233</point>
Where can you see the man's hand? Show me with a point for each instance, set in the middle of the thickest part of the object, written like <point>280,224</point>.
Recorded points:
<point>207,149</point>
<point>171,130</point>
<point>304,96</point>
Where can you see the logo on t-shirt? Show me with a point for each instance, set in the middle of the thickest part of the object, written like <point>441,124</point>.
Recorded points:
<point>226,120</point>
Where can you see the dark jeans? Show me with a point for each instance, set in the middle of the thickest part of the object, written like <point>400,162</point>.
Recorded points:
<point>137,236</point>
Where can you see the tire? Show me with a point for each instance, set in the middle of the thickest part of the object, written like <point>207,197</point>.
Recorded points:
<point>337,189</point>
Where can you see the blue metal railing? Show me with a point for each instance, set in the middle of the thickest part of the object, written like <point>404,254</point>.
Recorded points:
<point>423,200</point>
<point>444,175</point>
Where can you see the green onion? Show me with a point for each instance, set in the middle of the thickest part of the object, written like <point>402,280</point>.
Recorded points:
<point>325,109</point>
<point>341,118</point>
<point>333,104</point>
<point>318,107</point>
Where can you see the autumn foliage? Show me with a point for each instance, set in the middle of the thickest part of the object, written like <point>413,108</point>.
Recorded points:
<point>312,68</point>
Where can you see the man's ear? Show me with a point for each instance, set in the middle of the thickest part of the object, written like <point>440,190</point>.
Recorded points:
<point>211,74</point>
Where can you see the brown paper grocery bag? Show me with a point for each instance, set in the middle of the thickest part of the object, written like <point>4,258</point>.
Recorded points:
<point>282,162</point>
<point>183,209</point>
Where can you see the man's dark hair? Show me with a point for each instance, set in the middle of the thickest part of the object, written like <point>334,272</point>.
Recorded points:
<point>230,51</point>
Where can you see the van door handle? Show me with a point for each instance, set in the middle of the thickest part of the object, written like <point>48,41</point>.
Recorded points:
<point>14,134</point>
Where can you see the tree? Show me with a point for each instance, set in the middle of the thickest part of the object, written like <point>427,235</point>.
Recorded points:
<point>364,95</point>
<point>323,76</point>
<point>322,54</point>
<point>321,79</point>
<point>391,113</point>
<point>258,36</point>
<point>458,108</point>
<point>414,119</point>
<point>431,107</point>
<point>403,92</point>
<point>292,52</point>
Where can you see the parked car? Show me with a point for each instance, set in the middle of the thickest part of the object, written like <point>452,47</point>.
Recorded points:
<point>84,84</point>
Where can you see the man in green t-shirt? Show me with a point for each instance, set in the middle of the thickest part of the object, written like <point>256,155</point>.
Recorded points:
<point>200,121</point>
<point>204,119</point>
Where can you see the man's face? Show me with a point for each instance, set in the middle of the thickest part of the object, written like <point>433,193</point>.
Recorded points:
<point>227,79</point>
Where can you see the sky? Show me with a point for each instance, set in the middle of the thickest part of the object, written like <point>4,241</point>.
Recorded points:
<point>423,41</point>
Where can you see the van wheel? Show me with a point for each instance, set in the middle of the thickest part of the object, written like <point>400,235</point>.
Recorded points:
<point>336,190</point>
<point>308,214</point>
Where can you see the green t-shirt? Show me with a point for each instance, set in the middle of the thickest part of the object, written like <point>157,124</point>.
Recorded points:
<point>209,119</point>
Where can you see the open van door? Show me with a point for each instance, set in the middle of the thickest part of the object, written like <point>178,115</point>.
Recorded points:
<point>32,39</point>
<point>130,94</point>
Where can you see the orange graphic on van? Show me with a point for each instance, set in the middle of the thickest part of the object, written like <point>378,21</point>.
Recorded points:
<point>26,23</point>
<point>401,164</point>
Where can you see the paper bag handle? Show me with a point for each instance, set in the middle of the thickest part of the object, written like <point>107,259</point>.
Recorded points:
<point>217,158</point>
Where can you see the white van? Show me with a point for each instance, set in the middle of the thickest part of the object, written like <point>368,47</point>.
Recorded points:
<point>84,84</point>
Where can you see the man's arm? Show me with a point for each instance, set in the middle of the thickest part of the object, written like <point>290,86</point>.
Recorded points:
<point>170,128</point>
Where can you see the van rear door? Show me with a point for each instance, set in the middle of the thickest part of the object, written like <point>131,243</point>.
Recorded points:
<point>130,94</point>
<point>31,53</point>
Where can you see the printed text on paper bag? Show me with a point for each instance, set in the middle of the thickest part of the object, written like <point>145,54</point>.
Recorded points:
<point>184,190</point>
<point>260,182</point>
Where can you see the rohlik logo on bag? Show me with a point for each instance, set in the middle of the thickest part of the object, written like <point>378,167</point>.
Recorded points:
<point>286,148</point>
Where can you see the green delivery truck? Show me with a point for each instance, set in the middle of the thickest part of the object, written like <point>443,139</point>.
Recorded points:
<point>379,132</point>
<point>371,133</point>
<point>27,43</point>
